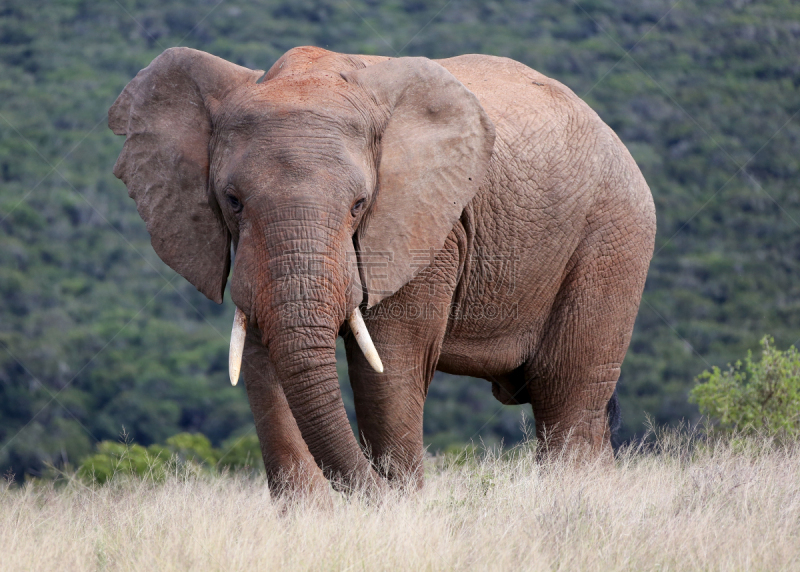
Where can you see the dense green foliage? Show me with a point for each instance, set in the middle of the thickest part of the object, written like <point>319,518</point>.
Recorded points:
<point>97,334</point>
<point>155,461</point>
<point>754,396</point>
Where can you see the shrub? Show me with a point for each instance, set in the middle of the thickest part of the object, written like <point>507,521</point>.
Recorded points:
<point>750,396</point>
<point>113,459</point>
<point>193,449</point>
<point>241,454</point>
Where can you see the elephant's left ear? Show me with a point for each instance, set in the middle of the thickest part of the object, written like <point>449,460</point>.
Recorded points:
<point>434,153</point>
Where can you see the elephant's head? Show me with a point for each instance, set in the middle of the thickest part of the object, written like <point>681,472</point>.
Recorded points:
<point>325,174</point>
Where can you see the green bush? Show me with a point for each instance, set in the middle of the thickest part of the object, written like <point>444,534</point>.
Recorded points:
<point>241,454</point>
<point>192,448</point>
<point>113,459</point>
<point>752,396</point>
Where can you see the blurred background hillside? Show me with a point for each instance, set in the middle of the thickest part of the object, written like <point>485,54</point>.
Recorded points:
<point>97,334</point>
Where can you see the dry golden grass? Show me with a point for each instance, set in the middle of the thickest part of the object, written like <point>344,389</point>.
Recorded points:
<point>721,507</point>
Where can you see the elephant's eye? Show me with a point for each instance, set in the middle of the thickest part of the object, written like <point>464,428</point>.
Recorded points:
<point>235,203</point>
<point>357,206</point>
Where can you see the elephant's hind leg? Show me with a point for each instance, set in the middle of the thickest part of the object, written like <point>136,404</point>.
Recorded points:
<point>572,375</point>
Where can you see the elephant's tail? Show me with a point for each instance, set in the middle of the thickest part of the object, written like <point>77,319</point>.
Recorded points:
<point>613,413</point>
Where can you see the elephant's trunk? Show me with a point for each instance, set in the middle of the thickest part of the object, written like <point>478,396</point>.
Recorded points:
<point>300,306</point>
<point>305,359</point>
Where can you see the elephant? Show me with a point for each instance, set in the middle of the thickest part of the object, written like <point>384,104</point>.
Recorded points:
<point>468,215</point>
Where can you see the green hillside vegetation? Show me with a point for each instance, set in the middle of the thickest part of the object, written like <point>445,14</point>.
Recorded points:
<point>97,334</point>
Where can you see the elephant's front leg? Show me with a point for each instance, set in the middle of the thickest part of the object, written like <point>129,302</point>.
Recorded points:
<point>389,405</point>
<point>288,462</point>
<point>407,329</point>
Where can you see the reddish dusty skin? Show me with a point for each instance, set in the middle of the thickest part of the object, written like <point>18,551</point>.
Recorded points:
<point>519,227</point>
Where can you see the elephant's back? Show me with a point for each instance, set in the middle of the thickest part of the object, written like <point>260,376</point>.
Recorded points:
<point>506,87</point>
<point>491,77</point>
<point>553,154</point>
<point>543,134</point>
<point>543,127</point>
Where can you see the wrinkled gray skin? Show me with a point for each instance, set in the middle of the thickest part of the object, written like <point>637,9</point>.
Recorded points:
<point>486,220</point>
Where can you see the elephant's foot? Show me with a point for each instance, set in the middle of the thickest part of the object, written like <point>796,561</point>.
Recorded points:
<point>581,441</point>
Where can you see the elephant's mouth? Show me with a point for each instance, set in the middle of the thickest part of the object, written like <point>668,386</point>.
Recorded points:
<point>356,322</point>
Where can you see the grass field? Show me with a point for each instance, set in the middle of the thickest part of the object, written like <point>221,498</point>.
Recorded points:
<point>677,505</point>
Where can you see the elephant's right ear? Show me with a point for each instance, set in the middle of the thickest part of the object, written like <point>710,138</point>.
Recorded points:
<point>165,114</point>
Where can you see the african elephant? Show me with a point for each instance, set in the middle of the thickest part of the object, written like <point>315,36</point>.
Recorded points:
<point>480,216</point>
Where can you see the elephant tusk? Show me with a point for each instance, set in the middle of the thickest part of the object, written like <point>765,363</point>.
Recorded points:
<point>238,334</point>
<point>359,329</point>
